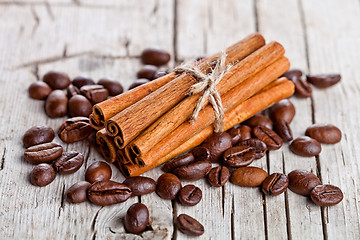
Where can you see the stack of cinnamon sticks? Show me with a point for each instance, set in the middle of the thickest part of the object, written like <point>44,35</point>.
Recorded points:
<point>148,125</point>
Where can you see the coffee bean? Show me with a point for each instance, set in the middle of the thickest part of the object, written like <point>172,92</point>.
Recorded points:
<point>98,171</point>
<point>218,176</point>
<point>258,145</point>
<point>108,192</point>
<point>160,73</point>
<point>275,184</point>
<point>57,80</point>
<point>72,91</point>
<point>167,186</point>
<point>302,88</point>
<point>37,135</point>
<point>138,82</point>
<point>75,129</point>
<point>245,132</point>
<point>324,133</point>
<point>189,225</point>
<point>302,181</point>
<point>42,175</point>
<point>178,162</point>
<point>235,134</point>
<point>259,120</point>
<point>68,162</point>
<point>284,110</point>
<point>239,156</point>
<point>77,193</point>
<point>56,104</point>
<point>155,56</point>
<point>282,128</point>
<point>95,93</point>
<point>193,171</point>
<point>269,137</point>
<point>39,90</point>
<point>190,195</point>
<point>213,147</point>
<point>43,153</point>
<point>293,73</point>
<point>140,185</point>
<point>326,195</point>
<point>248,176</point>
<point>147,71</point>
<point>82,81</point>
<point>323,80</point>
<point>114,87</point>
<point>79,106</point>
<point>305,146</point>
<point>136,218</point>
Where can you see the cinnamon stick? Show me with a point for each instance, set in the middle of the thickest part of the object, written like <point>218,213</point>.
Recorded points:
<point>275,92</point>
<point>127,124</point>
<point>235,77</point>
<point>107,145</point>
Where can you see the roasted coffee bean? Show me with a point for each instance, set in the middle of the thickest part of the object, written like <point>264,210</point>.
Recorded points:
<point>190,195</point>
<point>114,87</point>
<point>305,146</point>
<point>248,176</point>
<point>178,162</point>
<point>258,145</point>
<point>282,111</point>
<point>68,162</point>
<point>193,171</point>
<point>269,137</point>
<point>147,71</point>
<point>283,129</point>
<point>293,73</point>
<point>323,80</point>
<point>43,153</point>
<point>138,82</point>
<point>326,195</point>
<point>259,120</point>
<point>324,133</point>
<point>167,186</point>
<point>75,129</point>
<point>235,134</point>
<point>39,90</point>
<point>239,156</point>
<point>108,192</point>
<point>98,171</point>
<point>136,218</point>
<point>42,175</point>
<point>213,147</point>
<point>275,184</point>
<point>72,91</point>
<point>302,181</point>
<point>155,56</point>
<point>57,80</point>
<point>160,73</point>
<point>245,132</point>
<point>56,104</point>
<point>79,106</point>
<point>77,193</point>
<point>82,81</point>
<point>140,185</point>
<point>37,135</point>
<point>302,88</point>
<point>95,93</point>
<point>218,176</point>
<point>189,225</point>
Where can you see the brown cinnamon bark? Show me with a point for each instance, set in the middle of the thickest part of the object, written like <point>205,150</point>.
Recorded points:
<point>127,124</point>
<point>235,77</point>
<point>275,92</point>
<point>107,145</point>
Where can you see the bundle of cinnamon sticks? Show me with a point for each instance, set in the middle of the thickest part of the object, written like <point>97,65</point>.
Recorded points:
<point>150,124</point>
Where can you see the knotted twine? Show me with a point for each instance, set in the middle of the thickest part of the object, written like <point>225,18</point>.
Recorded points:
<point>206,83</point>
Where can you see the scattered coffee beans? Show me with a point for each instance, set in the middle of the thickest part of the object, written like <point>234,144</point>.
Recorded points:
<point>42,175</point>
<point>189,225</point>
<point>245,132</point>
<point>168,185</point>
<point>56,104</point>
<point>140,185</point>
<point>259,120</point>
<point>218,176</point>
<point>57,80</point>
<point>282,111</point>
<point>82,81</point>
<point>114,87</point>
<point>293,73</point>
<point>79,106</point>
<point>326,195</point>
<point>190,195</point>
<point>258,145</point>
<point>108,192</point>
<point>75,129</point>
<point>302,88</point>
<point>155,56</point>
<point>39,90</point>
<point>68,162</point>
<point>98,171</point>
<point>37,135</point>
<point>136,218</point>
<point>138,82</point>
<point>72,91</point>
<point>239,156</point>
<point>77,193</point>
<point>43,153</point>
<point>269,137</point>
<point>148,72</point>
<point>95,93</point>
<point>193,171</point>
<point>302,181</point>
<point>324,133</point>
<point>179,161</point>
<point>305,146</point>
<point>275,184</point>
<point>323,80</point>
<point>235,134</point>
<point>248,176</point>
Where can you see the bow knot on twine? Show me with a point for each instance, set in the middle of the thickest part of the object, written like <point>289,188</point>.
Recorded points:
<point>206,83</point>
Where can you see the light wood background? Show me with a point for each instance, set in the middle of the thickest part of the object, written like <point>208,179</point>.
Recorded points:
<point>104,39</point>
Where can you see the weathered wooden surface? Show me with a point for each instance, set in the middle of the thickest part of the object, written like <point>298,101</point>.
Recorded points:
<point>104,39</point>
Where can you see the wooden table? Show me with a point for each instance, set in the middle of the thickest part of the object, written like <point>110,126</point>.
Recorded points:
<point>104,39</point>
